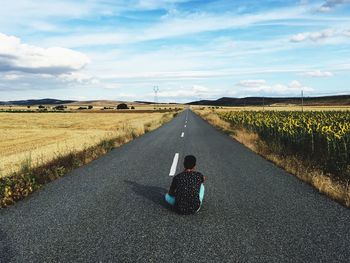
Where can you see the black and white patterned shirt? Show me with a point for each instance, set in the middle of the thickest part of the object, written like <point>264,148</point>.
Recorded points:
<point>185,187</point>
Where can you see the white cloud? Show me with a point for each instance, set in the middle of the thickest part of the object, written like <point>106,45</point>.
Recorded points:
<point>194,92</point>
<point>61,9</point>
<point>346,33</point>
<point>78,77</point>
<point>29,13</point>
<point>156,4</point>
<point>16,56</point>
<point>299,37</point>
<point>252,83</point>
<point>126,96</point>
<point>264,88</point>
<point>11,76</point>
<point>173,26</point>
<point>318,74</point>
<point>329,5</point>
<point>197,63</point>
<point>43,26</point>
<point>110,86</point>
<point>314,36</point>
<point>169,75</point>
<point>324,9</point>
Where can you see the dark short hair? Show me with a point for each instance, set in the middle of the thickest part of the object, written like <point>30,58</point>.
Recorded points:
<point>190,161</point>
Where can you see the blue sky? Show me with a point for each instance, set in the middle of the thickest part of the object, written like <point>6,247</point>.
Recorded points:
<point>90,49</point>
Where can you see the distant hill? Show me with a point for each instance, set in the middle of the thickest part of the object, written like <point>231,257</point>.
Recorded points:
<point>152,102</point>
<point>70,102</point>
<point>258,101</point>
<point>144,102</point>
<point>107,102</point>
<point>36,102</point>
<point>95,103</point>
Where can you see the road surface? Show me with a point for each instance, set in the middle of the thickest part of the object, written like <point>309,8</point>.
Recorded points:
<point>112,210</point>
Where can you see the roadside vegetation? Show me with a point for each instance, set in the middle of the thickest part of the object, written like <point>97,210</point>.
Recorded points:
<point>38,148</point>
<point>315,146</point>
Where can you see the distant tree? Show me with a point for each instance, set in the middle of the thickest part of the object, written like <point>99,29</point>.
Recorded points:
<point>59,107</point>
<point>41,107</point>
<point>82,108</point>
<point>132,107</point>
<point>90,107</point>
<point>122,106</point>
<point>28,107</point>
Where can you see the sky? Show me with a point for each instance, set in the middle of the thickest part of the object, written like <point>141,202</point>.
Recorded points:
<point>189,49</point>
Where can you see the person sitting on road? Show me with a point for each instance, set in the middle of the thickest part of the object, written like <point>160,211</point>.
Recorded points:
<point>187,190</point>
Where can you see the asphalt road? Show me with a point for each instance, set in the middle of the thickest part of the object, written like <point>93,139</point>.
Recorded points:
<point>112,210</point>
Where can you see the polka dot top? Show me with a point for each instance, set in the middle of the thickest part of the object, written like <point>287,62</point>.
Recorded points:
<point>185,187</point>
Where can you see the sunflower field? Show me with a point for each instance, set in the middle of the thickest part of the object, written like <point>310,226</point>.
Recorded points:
<point>323,138</point>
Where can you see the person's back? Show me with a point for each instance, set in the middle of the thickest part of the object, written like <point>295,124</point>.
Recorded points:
<point>187,191</point>
<point>188,185</point>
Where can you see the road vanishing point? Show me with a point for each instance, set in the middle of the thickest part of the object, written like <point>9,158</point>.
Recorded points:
<point>113,209</point>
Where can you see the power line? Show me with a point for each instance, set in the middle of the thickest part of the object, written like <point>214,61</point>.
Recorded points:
<point>156,90</point>
<point>263,103</point>
<point>302,101</point>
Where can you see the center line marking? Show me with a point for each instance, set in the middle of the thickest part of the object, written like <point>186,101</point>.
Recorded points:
<point>174,165</point>
<point>182,134</point>
<point>185,126</point>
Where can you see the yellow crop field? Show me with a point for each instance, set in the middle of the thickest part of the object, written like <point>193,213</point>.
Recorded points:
<point>313,145</point>
<point>321,137</point>
<point>40,137</point>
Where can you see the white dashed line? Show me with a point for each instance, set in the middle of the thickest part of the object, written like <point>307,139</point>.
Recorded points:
<point>182,135</point>
<point>185,126</point>
<point>174,165</point>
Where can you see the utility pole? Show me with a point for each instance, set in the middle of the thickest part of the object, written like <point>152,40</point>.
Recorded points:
<point>302,101</point>
<point>156,90</point>
<point>263,103</point>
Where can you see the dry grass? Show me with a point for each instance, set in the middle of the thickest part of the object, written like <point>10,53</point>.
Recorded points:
<point>304,171</point>
<point>42,137</point>
<point>292,164</point>
<point>247,138</point>
<point>108,133</point>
